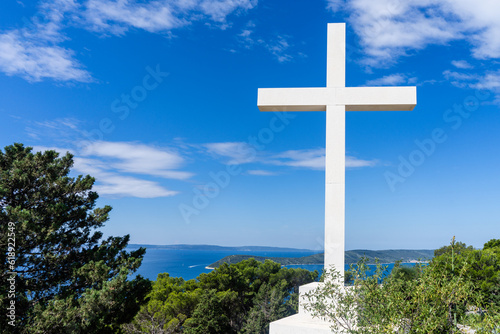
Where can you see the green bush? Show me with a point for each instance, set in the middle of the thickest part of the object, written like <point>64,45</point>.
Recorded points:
<point>238,298</point>
<point>458,287</point>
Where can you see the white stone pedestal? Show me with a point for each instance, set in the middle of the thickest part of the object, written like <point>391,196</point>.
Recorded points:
<point>301,322</point>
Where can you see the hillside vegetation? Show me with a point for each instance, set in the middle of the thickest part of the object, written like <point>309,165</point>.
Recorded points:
<point>352,256</point>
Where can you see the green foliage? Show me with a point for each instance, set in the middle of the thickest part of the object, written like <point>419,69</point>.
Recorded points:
<point>456,248</point>
<point>482,267</point>
<point>351,257</point>
<point>493,243</point>
<point>269,306</point>
<point>405,273</point>
<point>171,301</point>
<point>237,298</point>
<point>68,281</point>
<point>433,298</point>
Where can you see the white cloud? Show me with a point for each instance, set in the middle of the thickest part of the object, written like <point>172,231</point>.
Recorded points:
<point>116,185</point>
<point>462,64</point>
<point>61,129</point>
<point>390,80</point>
<point>235,152</point>
<point>93,167</point>
<point>117,17</point>
<point>261,172</point>
<point>353,162</point>
<point>241,153</point>
<point>218,10</point>
<point>461,80</point>
<point>335,5</point>
<point>389,29</point>
<point>138,159</point>
<point>34,52</point>
<point>245,33</point>
<point>279,46</point>
<point>489,81</point>
<point>110,163</point>
<point>35,59</point>
<point>313,159</point>
<point>61,151</point>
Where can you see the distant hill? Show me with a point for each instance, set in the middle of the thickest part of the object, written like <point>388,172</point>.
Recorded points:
<point>389,256</point>
<point>285,261</point>
<point>221,248</point>
<point>351,256</point>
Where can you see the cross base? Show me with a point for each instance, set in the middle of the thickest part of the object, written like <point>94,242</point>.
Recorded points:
<point>301,322</point>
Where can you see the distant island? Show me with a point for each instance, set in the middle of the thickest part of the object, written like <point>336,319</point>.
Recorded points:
<point>221,248</point>
<point>351,256</point>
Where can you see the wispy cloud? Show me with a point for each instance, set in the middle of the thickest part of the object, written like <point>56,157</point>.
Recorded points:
<point>138,159</point>
<point>353,162</point>
<point>34,52</point>
<point>279,48</point>
<point>459,79</point>
<point>336,5</point>
<point>61,129</point>
<point>35,57</point>
<point>218,10</point>
<point>390,29</point>
<point>315,159</point>
<point>279,45</point>
<point>243,153</point>
<point>312,159</point>
<point>234,153</point>
<point>117,185</point>
<point>116,17</point>
<point>260,172</point>
<point>489,81</point>
<point>391,80</point>
<point>462,64</point>
<point>119,168</point>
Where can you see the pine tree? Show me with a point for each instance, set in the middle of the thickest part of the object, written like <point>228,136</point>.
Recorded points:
<point>67,280</point>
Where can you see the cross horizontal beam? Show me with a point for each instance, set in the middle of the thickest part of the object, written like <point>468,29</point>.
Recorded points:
<point>353,98</point>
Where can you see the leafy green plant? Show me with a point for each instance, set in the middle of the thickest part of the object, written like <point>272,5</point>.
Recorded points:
<point>432,298</point>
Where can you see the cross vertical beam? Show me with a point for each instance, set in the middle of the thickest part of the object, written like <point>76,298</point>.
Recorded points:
<point>335,55</point>
<point>335,153</point>
<point>335,188</point>
<point>336,99</point>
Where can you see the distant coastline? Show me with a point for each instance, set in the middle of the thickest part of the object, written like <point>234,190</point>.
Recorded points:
<point>189,261</point>
<point>222,248</point>
<point>351,257</point>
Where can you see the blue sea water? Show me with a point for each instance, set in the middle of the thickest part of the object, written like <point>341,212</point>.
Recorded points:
<point>188,263</point>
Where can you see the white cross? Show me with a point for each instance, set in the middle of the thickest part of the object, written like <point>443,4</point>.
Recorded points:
<point>336,99</point>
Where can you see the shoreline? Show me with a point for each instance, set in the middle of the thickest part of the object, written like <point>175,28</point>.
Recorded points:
<point>319,264</point>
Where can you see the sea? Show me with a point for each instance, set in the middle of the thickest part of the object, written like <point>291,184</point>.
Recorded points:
<point>189,263</point>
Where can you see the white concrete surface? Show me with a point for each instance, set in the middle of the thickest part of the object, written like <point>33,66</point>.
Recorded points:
<point>299,324</point>
<point>303,322</point>
<point>303,289</point>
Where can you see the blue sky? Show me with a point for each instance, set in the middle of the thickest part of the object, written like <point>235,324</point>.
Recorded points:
<point>157,100</point>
